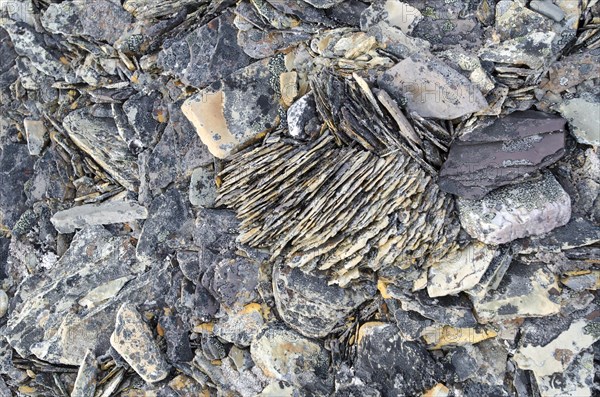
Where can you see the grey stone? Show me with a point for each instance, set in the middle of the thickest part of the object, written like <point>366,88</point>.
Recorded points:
<point>242,326</point>
<point>502,151</point>
<point>35,132</point>
<point>579,232</point>
<point>234,282</point>
<point>3,303</point>
<point>176,335</point>
<point>583,114</point>
<point>410,370</point>
<point>140,112</point>
<point>533,50</point>
<point>305,365</point>
<point>511,212</point>
<point>432,89</point>
<point>324,3</point>
<point>98,138</point>
<point>85,384</point>
<point>132,339</point>
<point>302,118</point>
<point>576,380</point>
<point>16,167</point>
<point>51,178</point>
<point>203,189</point>
<point>97,214</point>
<point>307,304</point>
<point>395,13</point>
<point>168,227</point>
<point>207,54</point>
<point>548,9</point>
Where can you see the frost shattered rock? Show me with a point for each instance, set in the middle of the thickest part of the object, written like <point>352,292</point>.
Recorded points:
<point>103,214</point>
<point>512,212</point>
<point>133,340</point>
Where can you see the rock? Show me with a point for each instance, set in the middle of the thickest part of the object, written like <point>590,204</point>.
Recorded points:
<point>288,86</point>
<point>35,132</point>
<point>533,50</point>
<point>3,303</point>
<point>233,111</point>
<point>140,110</point>
<point>94,258</point>
<point>576,380</point>
<point>168,227</point>
<point>85,384</point>
<point>582,280</point>
<point>324,3</point>
<point>133,340</point>
<point>525,291</point>
<point>16,167</point>
<point>347,12</point>
<point>98,138</point>
<point>234,282</point>
<point>307,304</point>
<point>579,232</point>
<point>81,18</point>
<point>432,89</point>
<point>583,114</point>
<point>51,178</point>
<point>103,292</point>
<point>410,324</point>
<point>548,9</point>
<point>571,71</point>
<point>409,371</point>
<point>460,271</point>
<point>393,12</point>
<point>203,190</point>
<point>438,337</point>
<point>241,327</point>
<point>159,168</point>
<point>502,151</point>
<point>286,356</point>
<point>556,356</point>
<point>97,214</point>
<point>514,19</point>
<point>176,335</point>
<point>439,390</point>
<point>356,391</point>
<point>397,42</point>
<point>302,118</point>
<point>207,54</point>
<point>511,212</point>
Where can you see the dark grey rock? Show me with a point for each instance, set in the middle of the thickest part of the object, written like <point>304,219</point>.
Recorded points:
<point>234,282</point>
<point>176,335</point>
<point>168,227</point>
<point>347,13</point>
<point>463,363</point>
<point>579,232</point>
<point>51,178</point>
<point>208,54</point>
<point>502,151</point>
<point>85,384</point>
<point>302,118</point>
<point>450,310</point>
<point>356,391</point>
<point>307,304</point>
<point>410,324</point>
<point>410,370</point>
<point>16,167</point>
<point>476,389</point>
<point>140,110</point>
<point>189,263</point>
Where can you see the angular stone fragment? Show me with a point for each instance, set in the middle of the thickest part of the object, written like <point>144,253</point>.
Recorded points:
<point>579,232</point>
<point>437,337</point>
<point>307,304</point>
<point>207,54</point>
<point>555,357</point>
<point>35,132</point>
<point>302,117</point>
<point>533,50</point>
<point>231,112</point>
<point>548,9</point>
<point>286,356</point>
<point>203,190</point>
<point>16,167</point>
<point>432,89</point>
<point>576,380</point>
<point>324,3</point>
<point>132,339</point>
<point>511,212</point>
<point>97,214</point>
<point>583,114</point>
<point>409,370</point>
<point>393,12</point>
<point>98,138</point>
<point>85,384</point>
<point>502,151</point>
<point>176,335</point>
<point>241,327</point>
<point>525,291</point>
<point>460,271</point>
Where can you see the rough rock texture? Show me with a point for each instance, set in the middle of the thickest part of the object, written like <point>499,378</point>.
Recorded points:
<point>583,114</point>
<point>133,340</point>
<point>302,118</point>
<point>502,151</point>
<point>393,12</point>
<point>311,307</point>
<point>432,89</point>
<point>286,356</point>
<point>16,168</point>
<point>102,214</point>
<point>511,212</point>
<point>234,110</point>
<point>85,384</point>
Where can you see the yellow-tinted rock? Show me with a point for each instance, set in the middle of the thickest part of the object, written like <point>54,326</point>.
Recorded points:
<point>437,337</point>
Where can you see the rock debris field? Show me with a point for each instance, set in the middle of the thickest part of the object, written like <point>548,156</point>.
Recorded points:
<point>298,198</point>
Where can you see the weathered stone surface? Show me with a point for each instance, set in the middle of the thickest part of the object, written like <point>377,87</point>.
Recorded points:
<point>307,304</point>
<point>547,8</point>
<point>203,190</point>
<point>410,370</point>
<point>579,232</point>
<point>432,89</point>
<point>555,357</point>
<point>35,132</point>
<point>324,3</point>
<point>241,327</point>
<point>460,271</point>
<point>94,258</point>
<point>168,227</point>
<point>514,19</point>
<point>236,109</point>
<point>302,118</point>
<point>132,339</point>
<point>140,110</point>
<point>85,384</point>
<point>16,167</point>
<point>286,356</point>
<point>525,291</point>
<point>176,335</point>
<point>533,50</point>
<point>583,114</point>
<point>3,303</point>
<point>97,214</point>
<point>393,12</point>
<point>207,54</point>
<point>51,178</point>
<point>98,138</point>
<point>502,151</point>
<point>576,380</point>
<point>511,212</point>
<point>101,19</point>
<point>396,41</point>
<point>234,282</point>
